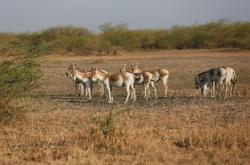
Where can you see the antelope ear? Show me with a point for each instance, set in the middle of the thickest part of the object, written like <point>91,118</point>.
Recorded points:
<point>73,66</point>
<point>197,79</point>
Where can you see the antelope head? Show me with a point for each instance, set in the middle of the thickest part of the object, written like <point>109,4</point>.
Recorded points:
<point>136,68</point>
<point>95,74</point>
<point>123,68</point>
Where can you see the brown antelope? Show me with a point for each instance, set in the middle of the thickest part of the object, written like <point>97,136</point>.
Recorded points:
<point>85,78</point>
<point>158,74</point>
<point>79,86</point>
<point>143,78</point>
<point>110,80</point>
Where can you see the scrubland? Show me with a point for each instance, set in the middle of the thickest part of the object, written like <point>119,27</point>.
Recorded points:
<point>57,127</point>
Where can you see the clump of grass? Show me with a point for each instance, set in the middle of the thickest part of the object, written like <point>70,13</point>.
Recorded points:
<point>11,115</point>
<point>106,123</point>
<point>5,115</point>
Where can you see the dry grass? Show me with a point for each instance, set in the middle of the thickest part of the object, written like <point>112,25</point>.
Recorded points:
<point>59,128</point>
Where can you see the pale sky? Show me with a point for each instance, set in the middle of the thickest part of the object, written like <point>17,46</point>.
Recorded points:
<point>33,15</point>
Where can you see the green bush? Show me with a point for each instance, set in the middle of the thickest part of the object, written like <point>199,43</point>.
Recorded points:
<point>17,77</point>
<point>20,74</point>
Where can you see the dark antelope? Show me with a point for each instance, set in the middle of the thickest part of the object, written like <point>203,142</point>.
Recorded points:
<point>216,79</point>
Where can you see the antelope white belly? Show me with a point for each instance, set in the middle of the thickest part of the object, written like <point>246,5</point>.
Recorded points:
<point>118,83</point>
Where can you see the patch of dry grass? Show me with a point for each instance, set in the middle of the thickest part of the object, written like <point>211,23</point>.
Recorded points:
<point>177,135</point>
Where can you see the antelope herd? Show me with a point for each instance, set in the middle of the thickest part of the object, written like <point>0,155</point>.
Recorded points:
<point>215,79</point>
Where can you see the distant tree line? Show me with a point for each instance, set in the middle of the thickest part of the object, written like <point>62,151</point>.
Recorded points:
<point>112,38</point>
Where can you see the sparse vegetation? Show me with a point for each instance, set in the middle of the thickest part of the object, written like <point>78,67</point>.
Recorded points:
<point>180,129</point>
<point>112,38</point>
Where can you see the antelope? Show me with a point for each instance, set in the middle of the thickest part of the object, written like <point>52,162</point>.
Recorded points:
<point>158,74</point>
<point>143,78</point>
<point>212,78</point>
<point>109,80</point>
<point>230,80</point>
<point>84,78</point>
<point>79,86</point>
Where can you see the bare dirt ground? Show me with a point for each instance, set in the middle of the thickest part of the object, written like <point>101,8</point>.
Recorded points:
<point>60,128</point>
